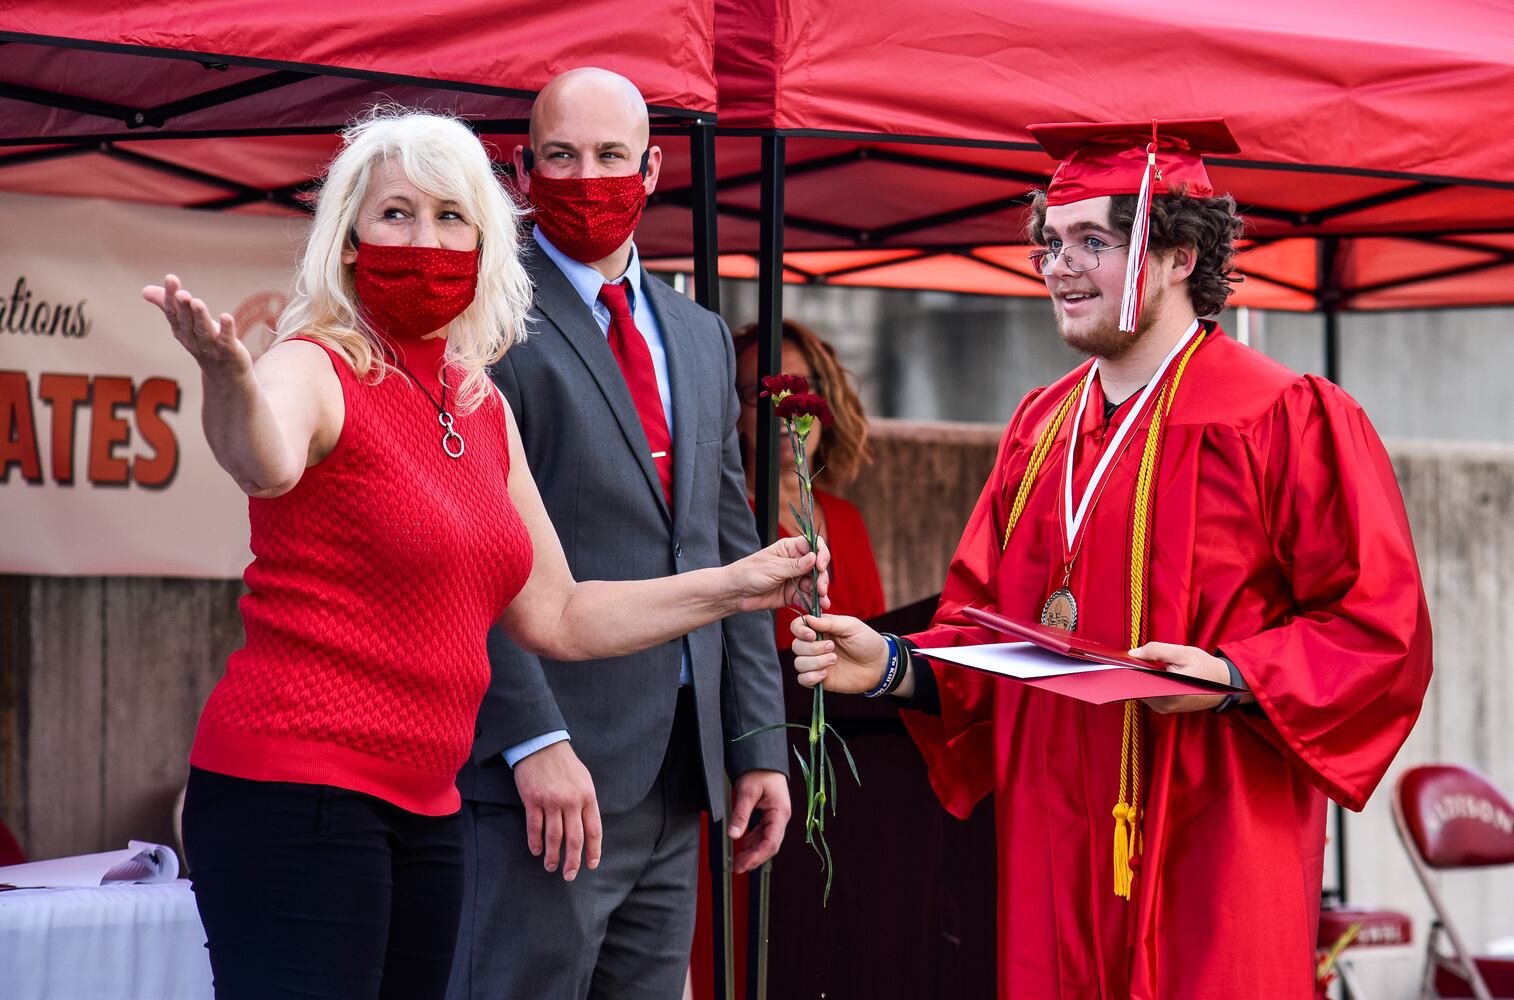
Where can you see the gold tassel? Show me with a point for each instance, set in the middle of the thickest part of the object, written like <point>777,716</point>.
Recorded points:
<point>1128,841</point>
<point>1122,872</point>
<point>1126,831</point>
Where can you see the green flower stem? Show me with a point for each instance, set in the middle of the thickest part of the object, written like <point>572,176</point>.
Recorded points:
<point>815,764</point>
<point>819,763</point>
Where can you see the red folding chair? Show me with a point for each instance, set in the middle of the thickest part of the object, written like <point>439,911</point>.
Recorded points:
<point>1379,934</point>
<point>1452,817</point>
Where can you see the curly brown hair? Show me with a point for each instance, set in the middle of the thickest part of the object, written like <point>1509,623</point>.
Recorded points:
<point>843,448</point>
<point>1209,225</point>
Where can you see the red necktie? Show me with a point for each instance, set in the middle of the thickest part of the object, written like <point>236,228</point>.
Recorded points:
<point>635,361</point>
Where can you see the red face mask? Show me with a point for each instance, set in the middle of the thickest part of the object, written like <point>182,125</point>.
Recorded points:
<point>588,218</point>
<point>408,292</point>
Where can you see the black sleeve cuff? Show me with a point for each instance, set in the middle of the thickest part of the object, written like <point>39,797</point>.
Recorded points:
<point>1233,700</point>
<point>1237,679</point>
<point>927,696</point>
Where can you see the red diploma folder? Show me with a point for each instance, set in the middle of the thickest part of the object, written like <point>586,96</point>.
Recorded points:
<point>1133,680</point>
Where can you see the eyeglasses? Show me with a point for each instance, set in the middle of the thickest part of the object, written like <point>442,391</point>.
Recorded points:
<point>1080,257</point>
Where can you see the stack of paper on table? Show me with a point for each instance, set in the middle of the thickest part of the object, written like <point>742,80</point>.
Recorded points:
<point>140,862</point>
<point>1065,664</point>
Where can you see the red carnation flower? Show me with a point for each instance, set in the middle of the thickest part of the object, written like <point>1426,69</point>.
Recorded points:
<point>798,409</point>
<point>804,404</point>
<point>777,385</point>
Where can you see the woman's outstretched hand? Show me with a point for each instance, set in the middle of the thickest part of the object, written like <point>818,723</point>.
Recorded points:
<point>781,575</point>
<point>214,344</point>
<point>841,652</point>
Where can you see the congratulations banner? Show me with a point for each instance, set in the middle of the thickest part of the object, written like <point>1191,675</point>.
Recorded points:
<point>104,468</point>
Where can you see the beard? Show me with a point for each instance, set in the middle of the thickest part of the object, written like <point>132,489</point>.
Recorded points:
<point>1103,338</point>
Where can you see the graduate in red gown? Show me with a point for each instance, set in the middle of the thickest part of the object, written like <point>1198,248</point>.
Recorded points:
<point>1226,518</point>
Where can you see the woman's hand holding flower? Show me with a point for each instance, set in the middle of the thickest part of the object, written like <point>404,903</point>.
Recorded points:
<point>781,574</point>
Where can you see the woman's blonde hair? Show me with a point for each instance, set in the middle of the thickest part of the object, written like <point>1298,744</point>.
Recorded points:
<point>843,447</point>
<point>442,157</point>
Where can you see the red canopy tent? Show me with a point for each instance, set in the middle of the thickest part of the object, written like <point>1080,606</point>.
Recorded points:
<point>1375,170</point>
<point>234,107</point>
<point>106,99</point>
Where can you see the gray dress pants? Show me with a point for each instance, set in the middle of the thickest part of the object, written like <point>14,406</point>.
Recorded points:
<point>622,931</point>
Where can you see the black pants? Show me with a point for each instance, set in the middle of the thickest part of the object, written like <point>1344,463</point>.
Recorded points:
<point>312,891</point>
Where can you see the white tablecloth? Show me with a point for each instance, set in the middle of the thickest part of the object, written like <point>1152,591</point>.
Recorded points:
<point>118,942</point>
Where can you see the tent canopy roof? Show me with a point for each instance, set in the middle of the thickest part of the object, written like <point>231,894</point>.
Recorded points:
<point>1374,169</point>
<point>1363,85</point>
<point>234,108</point>
<point>91,62</point>
<point>1376,128</point>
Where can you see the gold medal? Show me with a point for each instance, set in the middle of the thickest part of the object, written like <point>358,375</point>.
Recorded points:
<point>1060,611</point>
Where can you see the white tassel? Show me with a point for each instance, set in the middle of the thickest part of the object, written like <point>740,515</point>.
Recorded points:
<point>1135,263</point>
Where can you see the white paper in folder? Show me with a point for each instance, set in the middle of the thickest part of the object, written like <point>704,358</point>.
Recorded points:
<point>139,862</point>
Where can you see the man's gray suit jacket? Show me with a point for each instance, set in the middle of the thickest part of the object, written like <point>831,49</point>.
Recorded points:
<point>589,454</point>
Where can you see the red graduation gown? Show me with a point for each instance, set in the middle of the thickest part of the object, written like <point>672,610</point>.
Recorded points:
<point>1280,539</point>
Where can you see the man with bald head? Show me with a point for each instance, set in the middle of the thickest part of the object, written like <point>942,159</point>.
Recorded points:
<point>583,795</point>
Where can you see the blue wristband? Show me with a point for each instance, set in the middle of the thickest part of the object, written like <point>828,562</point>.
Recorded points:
<point>890,672</point>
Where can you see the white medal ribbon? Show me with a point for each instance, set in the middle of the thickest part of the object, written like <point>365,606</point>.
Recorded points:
<point>1074,518</point>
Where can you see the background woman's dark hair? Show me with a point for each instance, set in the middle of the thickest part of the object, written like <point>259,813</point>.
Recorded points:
<point>843,446</point>
<point>1209,225</point>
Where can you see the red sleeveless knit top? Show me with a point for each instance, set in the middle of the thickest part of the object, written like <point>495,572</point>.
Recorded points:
<point>373,585</point>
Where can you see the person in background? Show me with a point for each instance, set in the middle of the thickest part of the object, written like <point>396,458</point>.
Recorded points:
<point>837,453</point>
<point>393,520</point>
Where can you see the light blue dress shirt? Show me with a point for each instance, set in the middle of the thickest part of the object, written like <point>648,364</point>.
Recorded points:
<point>587,281</point>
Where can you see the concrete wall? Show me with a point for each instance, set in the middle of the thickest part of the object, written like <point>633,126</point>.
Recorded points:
<point>1441,375</point>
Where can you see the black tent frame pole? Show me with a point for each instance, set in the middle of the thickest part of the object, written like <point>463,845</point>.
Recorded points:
<point>706,245</point>
<point>769,361</point>
<point>707,294</point>
<point>769,328</point>
<point>1328,294</point>
<point>1332,344</point>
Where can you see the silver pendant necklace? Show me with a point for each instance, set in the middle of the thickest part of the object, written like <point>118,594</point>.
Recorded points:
<point>452,441</point>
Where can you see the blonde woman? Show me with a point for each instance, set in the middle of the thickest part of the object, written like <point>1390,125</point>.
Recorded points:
<point>393,520</point>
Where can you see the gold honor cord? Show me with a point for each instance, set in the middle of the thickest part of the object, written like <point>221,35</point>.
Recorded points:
<point>1127,830</point>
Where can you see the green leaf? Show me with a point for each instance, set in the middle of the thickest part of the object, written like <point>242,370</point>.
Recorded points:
<point>830,774</point>
<point>804,528</point>
<point>830,871</point>
<point>768,729</point>
<point>851,762</point>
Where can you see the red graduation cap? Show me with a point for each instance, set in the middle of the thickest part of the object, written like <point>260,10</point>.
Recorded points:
<point>1140,158</point>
